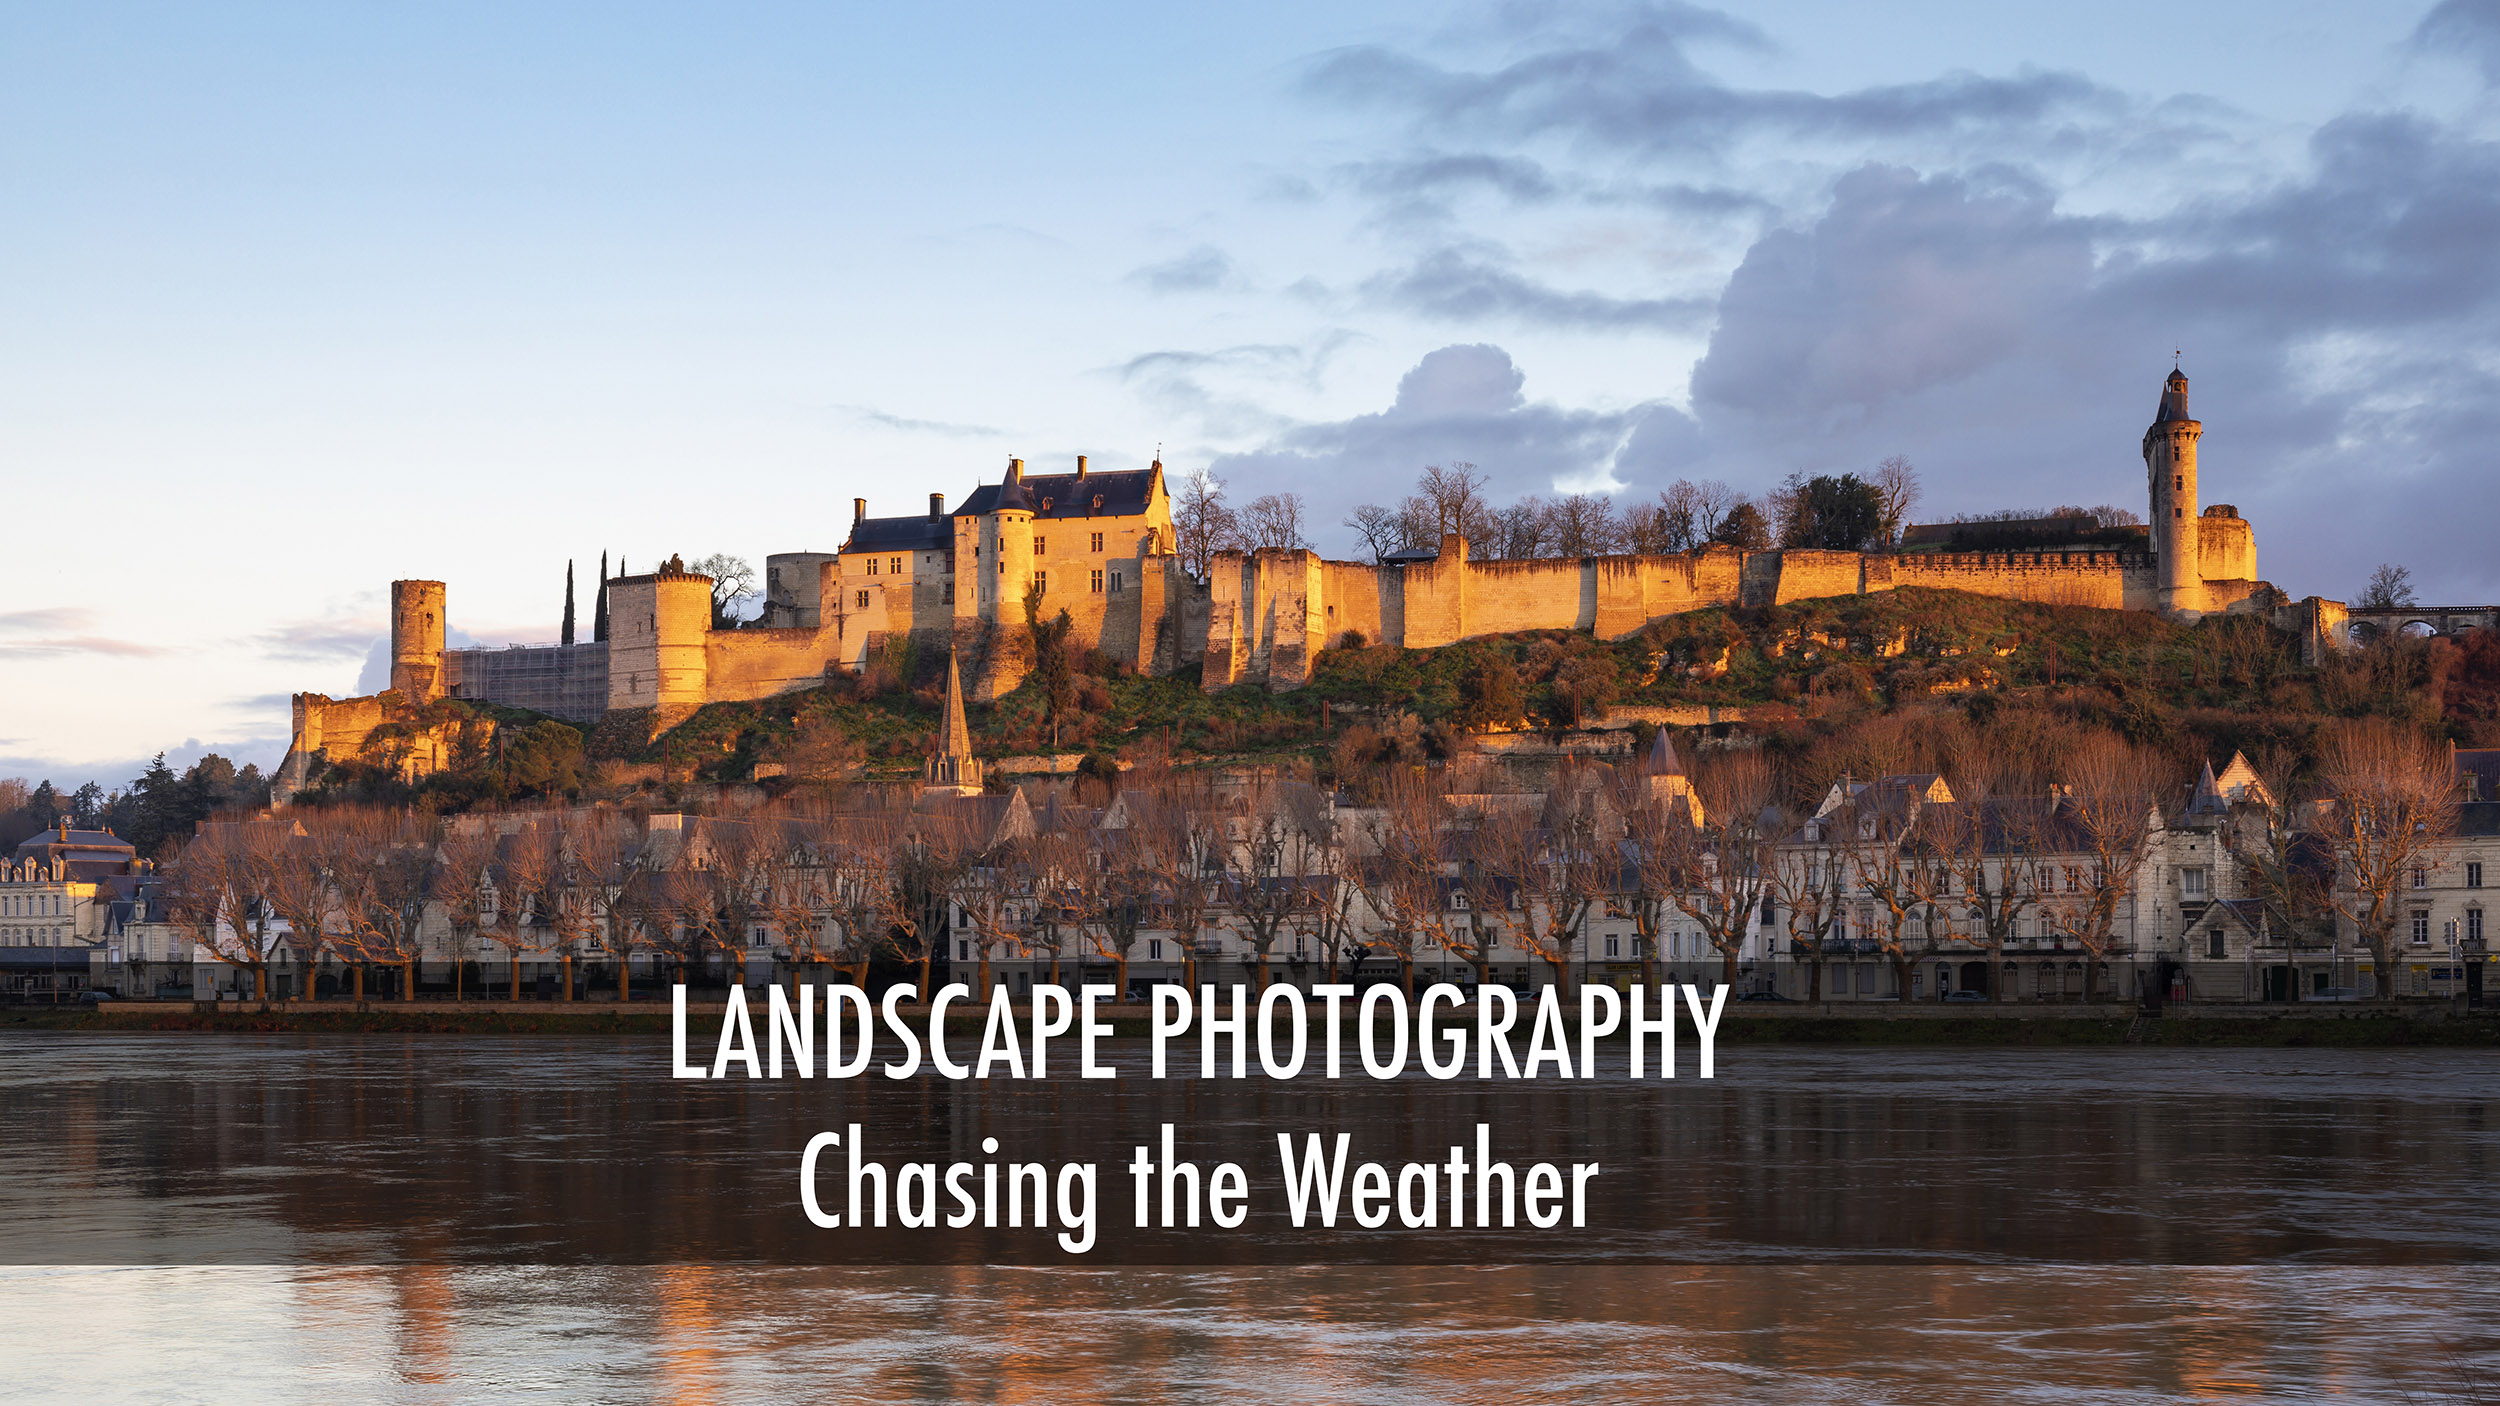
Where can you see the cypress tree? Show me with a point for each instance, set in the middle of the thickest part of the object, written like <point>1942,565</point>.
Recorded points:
<point>568,602</point>
<point>599,609</point>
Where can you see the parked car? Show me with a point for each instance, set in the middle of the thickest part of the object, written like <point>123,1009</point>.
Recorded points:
<point>1765,996</point>
<point>1966,995</point>
<point>94,998</point>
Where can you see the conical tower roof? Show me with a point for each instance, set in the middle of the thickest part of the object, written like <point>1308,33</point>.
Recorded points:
<point>2208,799</point>
<point>1662,760</point>
<point>954,734</point>
<point>1011,491</point>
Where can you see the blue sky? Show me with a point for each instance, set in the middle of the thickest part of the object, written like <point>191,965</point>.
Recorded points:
<point>300,299</point>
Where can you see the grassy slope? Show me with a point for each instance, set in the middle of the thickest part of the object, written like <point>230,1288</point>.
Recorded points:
<point>2226,682</point>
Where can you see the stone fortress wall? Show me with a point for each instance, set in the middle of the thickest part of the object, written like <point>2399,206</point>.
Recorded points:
<point>956,582</point>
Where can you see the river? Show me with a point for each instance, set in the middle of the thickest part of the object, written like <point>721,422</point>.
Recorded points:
<point>435,1218</point>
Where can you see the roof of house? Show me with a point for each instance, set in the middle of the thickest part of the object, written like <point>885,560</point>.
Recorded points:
<point>88,853</point>
<point>2482,765</point>
<point>1105,493</point>
<point>901,534</point>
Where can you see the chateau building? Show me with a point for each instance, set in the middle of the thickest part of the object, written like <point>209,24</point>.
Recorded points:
<point>1100,547</point>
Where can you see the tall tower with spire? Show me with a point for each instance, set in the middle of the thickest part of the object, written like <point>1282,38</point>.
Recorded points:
<point>2170,473</point>
<point>952,769</point>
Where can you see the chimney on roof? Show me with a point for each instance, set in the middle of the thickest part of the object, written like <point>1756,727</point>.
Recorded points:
<point>937,505</point>
<point>859,511</point>
<point>1080,466</point>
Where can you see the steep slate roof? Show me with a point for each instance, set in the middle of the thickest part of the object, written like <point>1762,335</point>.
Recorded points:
<point>2483,765</point>
<point>2174,398</point>
<point>1662,759</point>
<point>901,534</point>
<point>89,854</point>
<point>2208,798</point>
<point>1121,493</point>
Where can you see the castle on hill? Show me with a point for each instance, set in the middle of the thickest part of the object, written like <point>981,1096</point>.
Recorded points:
<point>1100,547</point>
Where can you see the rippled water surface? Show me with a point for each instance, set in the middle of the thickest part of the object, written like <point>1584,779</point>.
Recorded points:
<point>455,1218</point>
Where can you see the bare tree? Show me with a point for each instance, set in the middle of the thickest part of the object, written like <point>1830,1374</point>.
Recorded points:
<point>2390,587</point>
<point>2283,863</point>
<point>1497,844</point>
<point>214,896</point>
<point>2101,822</point>
<point>732,581</point>
<point>1522,530</point>
<point>1403,879</point>
<point>1452,499</point>
<point>1274,520</point>
<point>1896,491</point>
<point>1564,881</point>
<point>2392,798</point>
<point>532,868</point>
<point>1647,873</point>
<point>1808,885</point>
<point>1990,847</point>
<point>290,876</point>
<point>989,889</point>
<point>398,851</point>
<point>1584,525</point>
<point>1202,522</point>
<point>933,849</point>
<point>462,867</point>
<point>1899,875</point>
<point>1724,864</point>
<point>1379,529</point>
<point>605,874</point>
<point>1266,871</point>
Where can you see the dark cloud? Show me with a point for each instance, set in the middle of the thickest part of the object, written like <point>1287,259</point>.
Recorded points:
<point>1205,269</point>
<point>950,429</point>
<point>1221,392</point>
<point>2469,28</point>
<point>1434,176</point>
<point>1639,90</point>
<point>1460,403</point>
<point>1905,283</point>
<point>1473,286</point>
<point>2342,329</point>
<point>1938,294</point>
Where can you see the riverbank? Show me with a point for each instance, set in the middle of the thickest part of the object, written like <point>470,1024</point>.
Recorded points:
<point>2353,1026</point>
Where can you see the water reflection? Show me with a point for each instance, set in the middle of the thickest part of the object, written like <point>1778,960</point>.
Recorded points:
<point>1386,1334</point>
<point>210,1149</point>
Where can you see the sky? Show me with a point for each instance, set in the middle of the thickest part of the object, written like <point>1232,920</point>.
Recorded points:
<point>295,300</point>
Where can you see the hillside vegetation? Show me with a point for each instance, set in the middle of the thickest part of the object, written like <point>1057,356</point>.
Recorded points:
<point>1815,679</point>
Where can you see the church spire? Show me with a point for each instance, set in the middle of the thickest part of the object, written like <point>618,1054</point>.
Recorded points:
<point>954,734</point>
<point>952,767</point>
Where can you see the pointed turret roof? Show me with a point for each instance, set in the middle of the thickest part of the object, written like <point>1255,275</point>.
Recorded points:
<point>1662,760</point>
<point>954,734</point>
<point>1011,492</point>
<point>2174,402</point>
<point>2208,798</point>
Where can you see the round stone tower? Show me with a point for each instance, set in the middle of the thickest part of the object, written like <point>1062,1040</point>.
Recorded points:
<point>417,640</point>
<point>1012,570</point>
<point>681,618</point>
<point>2170,473</point>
